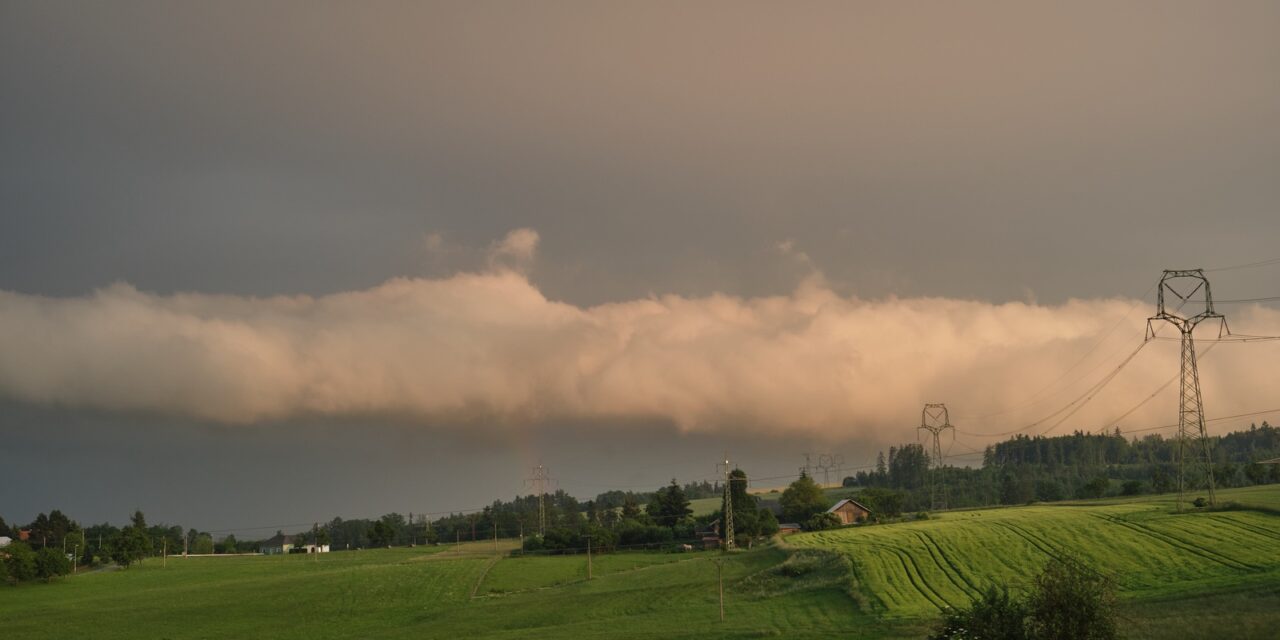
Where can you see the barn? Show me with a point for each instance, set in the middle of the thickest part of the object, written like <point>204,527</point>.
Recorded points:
<point>850,511</point>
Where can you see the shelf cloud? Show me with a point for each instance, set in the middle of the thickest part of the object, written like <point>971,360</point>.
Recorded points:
<point>490,348</point>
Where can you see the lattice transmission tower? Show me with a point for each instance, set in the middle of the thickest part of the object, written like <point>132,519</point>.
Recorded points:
<point>1187,286</point>
<point>935,420</point>
<point>539,480</point>
<point>827,462</point>
<point>728,502</point>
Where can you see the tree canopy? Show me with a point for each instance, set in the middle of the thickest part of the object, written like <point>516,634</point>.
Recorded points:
<point>802,499</point>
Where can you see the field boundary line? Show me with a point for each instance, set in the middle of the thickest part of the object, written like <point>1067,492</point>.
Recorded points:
<point>484,573</point>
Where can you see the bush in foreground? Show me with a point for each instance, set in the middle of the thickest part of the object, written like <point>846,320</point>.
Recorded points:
<point>1068,601</point>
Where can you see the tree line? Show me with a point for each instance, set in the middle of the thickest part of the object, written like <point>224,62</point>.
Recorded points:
<point>1081,465</point>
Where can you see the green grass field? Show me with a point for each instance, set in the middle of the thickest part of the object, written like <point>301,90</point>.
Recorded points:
<point>913,570</point>
<point>1207,574</point>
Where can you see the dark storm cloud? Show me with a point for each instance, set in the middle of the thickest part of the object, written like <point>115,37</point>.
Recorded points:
<point>977,150</point>
<point>986,163</point>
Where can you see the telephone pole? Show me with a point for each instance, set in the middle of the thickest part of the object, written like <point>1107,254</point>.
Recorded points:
<point>1193,439</point>
<point>539,480</point>
<point>935,420</point>
<point>588,536</point>
<point>727,524</point>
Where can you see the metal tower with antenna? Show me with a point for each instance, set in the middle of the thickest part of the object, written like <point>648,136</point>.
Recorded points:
<point>539,481</point>
<point>935,419</point>
<point>728,502</point>
<point>1190,403</point>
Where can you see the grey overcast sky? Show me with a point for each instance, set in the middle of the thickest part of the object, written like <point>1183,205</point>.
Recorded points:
<point>395,252</point>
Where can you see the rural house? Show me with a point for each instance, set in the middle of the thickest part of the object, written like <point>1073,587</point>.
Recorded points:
<point>850,511</point>
<point>280,543</point>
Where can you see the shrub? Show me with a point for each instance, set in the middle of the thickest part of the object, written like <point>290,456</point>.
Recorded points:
<point>51,563</point>
<point>21,563</point>
<point>1070,601</point>
<point>822,521</point>
<point>995,615</point>
<point>1131,488</point>
<point>1200,503</point>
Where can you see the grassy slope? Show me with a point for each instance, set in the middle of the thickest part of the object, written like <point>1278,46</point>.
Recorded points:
<point>426,593</point>
<point>1224,563</point>
<point>912,570</point>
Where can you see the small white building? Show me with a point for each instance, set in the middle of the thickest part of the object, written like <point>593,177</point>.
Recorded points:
<point>315,548</point>
<point>5,541</point>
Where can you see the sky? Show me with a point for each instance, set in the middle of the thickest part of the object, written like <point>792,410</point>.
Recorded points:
<point>268,263</point>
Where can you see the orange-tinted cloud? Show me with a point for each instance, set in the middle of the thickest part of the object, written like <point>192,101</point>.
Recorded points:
<point>490,347</point>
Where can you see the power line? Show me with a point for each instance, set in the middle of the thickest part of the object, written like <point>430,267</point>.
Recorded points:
<point>1073,406</point>
<point>1039,396</point>
<point>1247,265</point>
<point>1244,300</point>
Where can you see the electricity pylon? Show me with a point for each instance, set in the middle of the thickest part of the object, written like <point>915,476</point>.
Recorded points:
<point>539,481</point>
<point>727,524</point>
<point>827,462</point>
<point>935,419</point>
<point>1190,403</point>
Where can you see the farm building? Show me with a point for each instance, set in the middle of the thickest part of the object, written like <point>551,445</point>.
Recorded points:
<point>788,527</point>
<point>312,548</point>
<point>850,511</point>
<point>278,544</point>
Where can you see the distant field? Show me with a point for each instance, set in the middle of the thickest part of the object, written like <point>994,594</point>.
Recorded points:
<point>703,506</point>
<point>427,593</point>
<point>915,569</point>
<point>1201,574</point>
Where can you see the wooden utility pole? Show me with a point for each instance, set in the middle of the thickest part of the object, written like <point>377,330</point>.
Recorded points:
<point>75,559</point>
<point>588,556</point>
<point>164,552</point>
<point>720,579</point>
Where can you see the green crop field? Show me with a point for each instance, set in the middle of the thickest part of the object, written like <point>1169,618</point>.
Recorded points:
<point>913,570</point>
<point>1207,574</point>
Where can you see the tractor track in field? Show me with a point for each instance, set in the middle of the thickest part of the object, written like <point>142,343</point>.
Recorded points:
<point>944,563</point>
<point>1253,528</point>
<point>484,574</point>
<point>1179,543</point>
<point>1039,545</point>
<point>917,580</point>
